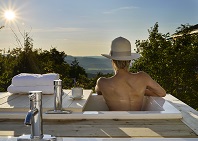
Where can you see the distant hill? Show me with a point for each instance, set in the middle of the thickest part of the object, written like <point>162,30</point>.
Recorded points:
<point>92,64</point>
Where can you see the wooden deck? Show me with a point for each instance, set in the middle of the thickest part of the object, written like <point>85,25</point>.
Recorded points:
<point>20,102</point>
<point>187,127</point>
<point>103,128</point>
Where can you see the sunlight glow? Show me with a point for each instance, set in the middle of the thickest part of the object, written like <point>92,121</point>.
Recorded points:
<point>9,15</point>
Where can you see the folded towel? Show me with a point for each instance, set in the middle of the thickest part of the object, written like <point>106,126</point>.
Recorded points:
<point>27,79</point>
<point>25,89</point>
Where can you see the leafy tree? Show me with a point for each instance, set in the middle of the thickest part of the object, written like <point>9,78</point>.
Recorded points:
<point>19,60</point>
<point>4,73</point>
<point>172,62</point>
<point>26,57</point>
<point>53,61</point>
<point>76,70</point>
<point>1,27</point>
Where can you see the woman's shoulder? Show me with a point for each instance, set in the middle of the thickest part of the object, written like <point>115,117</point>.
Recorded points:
<point>142,74</point>
<point>102,80</point>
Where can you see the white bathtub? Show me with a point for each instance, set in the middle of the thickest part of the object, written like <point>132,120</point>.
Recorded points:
<point>96,108</point>
<point>153,108</point>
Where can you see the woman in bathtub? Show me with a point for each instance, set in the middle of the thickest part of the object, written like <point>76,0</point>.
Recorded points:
<point>125,91</point>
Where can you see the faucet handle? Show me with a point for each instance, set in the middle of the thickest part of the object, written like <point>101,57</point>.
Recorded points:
<point>32,97</point>
<point>28,118</point>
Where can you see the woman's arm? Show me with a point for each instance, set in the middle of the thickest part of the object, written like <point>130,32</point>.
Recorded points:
<point>97,87</point>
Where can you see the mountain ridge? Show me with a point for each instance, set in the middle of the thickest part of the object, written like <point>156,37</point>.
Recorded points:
<point>92,64</point>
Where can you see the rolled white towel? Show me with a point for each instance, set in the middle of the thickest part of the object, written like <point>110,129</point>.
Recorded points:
<point>25,89</point>
<point>27,79</point>
<point>48,79</point>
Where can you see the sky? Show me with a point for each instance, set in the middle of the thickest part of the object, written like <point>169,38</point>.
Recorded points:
<point>87,27</point>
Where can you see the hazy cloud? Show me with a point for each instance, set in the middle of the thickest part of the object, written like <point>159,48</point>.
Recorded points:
<point>59,29</point>
<point>111,11</point>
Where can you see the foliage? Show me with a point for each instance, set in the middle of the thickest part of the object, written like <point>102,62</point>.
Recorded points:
<point>1,27</point>
<point>172,62</point>
<point>76,70</point>
<point>25,59</point>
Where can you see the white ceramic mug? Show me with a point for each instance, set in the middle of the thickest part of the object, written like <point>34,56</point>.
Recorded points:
<point>77,92</point>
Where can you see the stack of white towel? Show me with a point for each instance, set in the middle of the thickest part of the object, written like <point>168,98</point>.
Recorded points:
<point>25,82</point>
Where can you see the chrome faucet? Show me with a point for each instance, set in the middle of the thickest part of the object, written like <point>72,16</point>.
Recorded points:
<point>58,93</point>
<point>34,115</point>
<point>34,118</point>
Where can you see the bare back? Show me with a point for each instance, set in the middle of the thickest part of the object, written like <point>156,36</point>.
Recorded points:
<point>125,91</point>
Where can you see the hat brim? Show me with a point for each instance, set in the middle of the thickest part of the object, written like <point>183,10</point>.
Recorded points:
<point>132,57</point>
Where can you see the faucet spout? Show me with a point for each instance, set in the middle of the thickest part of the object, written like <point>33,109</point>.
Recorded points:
<point>29,115</point>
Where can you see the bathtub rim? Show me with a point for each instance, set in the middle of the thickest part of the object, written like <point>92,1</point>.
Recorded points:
<point>171,113</point>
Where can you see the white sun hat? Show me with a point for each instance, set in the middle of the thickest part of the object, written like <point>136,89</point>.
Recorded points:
<point>121,50</point>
